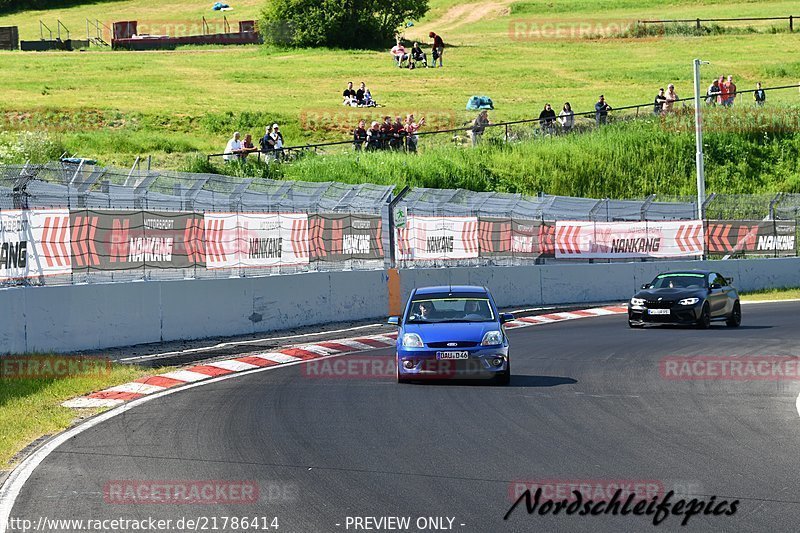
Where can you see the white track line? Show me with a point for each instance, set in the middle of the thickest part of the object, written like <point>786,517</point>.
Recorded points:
<point>232,365</point>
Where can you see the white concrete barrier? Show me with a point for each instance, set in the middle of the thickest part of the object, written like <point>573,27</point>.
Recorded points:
<point>86,317</point>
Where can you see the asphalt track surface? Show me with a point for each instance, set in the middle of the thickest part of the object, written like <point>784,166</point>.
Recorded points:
<point>586,402</point>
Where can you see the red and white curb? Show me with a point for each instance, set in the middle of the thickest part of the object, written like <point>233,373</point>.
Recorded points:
<point>119,394</point>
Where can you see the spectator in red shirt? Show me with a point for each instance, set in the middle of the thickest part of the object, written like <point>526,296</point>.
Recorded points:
<point>397,134</point>
<point>723,91</point>
<point>438,48</point>
<point>730,88</point>
<point>411,132</point>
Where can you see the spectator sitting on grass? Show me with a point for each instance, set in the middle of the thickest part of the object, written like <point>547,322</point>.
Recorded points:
<point>759,95</point>
<point>478,126</point>
<point>601,109</point>
<point>566,118</point>
<point>374,141</point>
<point>713,93</point>
<point>670,98</point>
<point>233,150</point>
<point>349,95</point>
<point>418,55</point>
<point>547,119</point>
<point>399,53</point>
<point>658,103</point>
<point>411,132</point>
<point>359,135</point>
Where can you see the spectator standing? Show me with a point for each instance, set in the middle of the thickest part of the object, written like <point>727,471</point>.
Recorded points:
<point>277,140</point>
<point>247,145</point>
<point>374,140</point>
<point>658,103</point>
<point>759,95</point>
<point>233,150</point>
<point>411,132</point>
<point>349,95</point>
<point>713,93</point>
<point>566,118</point>
<point>386,131</point>
<point>438,47</point>
<point>478,127</point>
<point>547,119</point>
<point>359,135</point>
<point>670,98</point>
<point>418,55</point>
<point>398,133</point>
<point>601,109</point>
<point>730,90</point>
<point>723,91</point>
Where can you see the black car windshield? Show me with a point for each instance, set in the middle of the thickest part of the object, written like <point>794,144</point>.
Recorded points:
<point>450,309</point>
<point>679,281</point>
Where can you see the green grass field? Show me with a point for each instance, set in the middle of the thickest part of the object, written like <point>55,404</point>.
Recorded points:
<point>116,105</point>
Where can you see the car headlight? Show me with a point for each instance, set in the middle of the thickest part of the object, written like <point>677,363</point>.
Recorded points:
<point>637,302</point>
<point>492,338</point>
<point>689,301</point>
<point>412,340</point>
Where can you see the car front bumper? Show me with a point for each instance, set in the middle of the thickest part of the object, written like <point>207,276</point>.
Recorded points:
<point>423,363</point>
<point>678,314</point>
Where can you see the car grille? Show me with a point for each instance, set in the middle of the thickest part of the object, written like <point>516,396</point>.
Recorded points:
<point>655,304</point>
<point>447,344</point>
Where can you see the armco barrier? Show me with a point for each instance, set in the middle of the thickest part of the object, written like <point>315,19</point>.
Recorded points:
<point>83,317</point>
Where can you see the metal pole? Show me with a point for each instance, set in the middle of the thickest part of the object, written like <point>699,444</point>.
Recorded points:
<point>698,134</point>
<point>392,204</point>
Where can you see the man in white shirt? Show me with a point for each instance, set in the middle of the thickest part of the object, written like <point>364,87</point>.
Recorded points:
<point>233,150</point>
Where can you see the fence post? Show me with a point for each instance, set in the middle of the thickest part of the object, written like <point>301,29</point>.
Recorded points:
<point>791,23</point>
<point>698,24</point>
<point>506,132</point>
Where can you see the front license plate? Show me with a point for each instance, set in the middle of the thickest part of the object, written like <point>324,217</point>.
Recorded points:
<point>452,355</point>
<point>658,311</point>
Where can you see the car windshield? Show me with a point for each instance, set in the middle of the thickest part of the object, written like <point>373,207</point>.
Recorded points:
<point>679,281</point>
<point>450,309</point>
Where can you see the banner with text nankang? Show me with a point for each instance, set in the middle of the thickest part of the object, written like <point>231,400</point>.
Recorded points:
<point>429,238</point>
<point>628,240</point>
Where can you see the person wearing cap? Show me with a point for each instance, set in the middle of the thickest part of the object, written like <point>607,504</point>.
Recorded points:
<point>233,150</point>
<point>601,109</point>
<point>438,48</point>
<point>277,140</point>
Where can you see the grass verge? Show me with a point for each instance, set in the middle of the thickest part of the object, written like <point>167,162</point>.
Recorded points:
<point>771,294</point>
<point>31,408</point>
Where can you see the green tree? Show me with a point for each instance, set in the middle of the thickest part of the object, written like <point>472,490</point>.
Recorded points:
<point>337,23</point>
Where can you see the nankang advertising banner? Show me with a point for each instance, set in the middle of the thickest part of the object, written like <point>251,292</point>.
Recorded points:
<point>427,238</point>
<point>754,237</point>
<point>127,240</point>
<point>34,243</point>
<point>251,240</point>
<point>628,240</point>
<point>341,237</point>
<point>513,237</point>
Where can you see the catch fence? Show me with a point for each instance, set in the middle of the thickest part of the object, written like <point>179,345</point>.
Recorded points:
<point>72,223</point>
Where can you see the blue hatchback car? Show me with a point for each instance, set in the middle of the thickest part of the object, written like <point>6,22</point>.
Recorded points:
<point>452,332</point>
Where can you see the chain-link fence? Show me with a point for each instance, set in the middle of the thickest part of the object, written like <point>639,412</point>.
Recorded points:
<point>69,222</point>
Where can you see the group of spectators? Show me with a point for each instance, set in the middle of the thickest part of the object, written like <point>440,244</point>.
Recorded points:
<point>271,145</point>
<point>550,123</point>
<point>388,135</point>
<point>358,98</point>
<point>409,59</point>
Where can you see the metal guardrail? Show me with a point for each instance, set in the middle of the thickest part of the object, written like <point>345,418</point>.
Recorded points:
<point>699,21</point>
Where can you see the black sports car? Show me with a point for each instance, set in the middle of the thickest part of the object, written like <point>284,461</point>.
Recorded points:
<point>692,298</point>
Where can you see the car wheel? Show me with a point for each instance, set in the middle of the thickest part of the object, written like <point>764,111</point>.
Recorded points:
<point>634,325</point>
<point>705,318</point>
<point>736,316</point>
<point>505,377</point>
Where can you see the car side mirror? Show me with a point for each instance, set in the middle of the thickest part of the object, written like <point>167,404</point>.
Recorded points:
<point>646,286</point>
<point>393,321</point>
<point>506,317</point>
<point>715,286</point>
